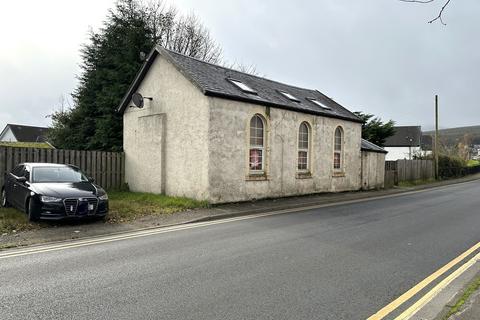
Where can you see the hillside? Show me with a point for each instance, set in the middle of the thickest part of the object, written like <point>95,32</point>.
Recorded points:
<point>453,135</point>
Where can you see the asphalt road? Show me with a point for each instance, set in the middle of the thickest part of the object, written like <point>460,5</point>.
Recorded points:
<point>341,262</point>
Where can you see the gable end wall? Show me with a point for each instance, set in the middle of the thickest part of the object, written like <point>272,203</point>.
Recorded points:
<point>166,142</point>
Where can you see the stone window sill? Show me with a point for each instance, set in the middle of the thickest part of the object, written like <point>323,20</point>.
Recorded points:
<point>338,174</point>
<point>304,175</point>
<point>256,177</point>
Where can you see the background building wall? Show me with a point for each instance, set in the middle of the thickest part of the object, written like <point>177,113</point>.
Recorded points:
<point>400,153</point>
<point>8,136</point>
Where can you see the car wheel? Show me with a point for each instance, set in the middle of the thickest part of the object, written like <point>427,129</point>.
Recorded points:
<point>32,211</point>
<point>4,202</point>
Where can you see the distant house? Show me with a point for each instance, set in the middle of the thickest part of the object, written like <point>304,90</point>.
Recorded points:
<point>407,142</point>
<point>21,133</point>
<point>476,152</point>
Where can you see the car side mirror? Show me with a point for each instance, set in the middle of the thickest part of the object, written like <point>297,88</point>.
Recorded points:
<point>21,179</point>
<point>90,179</point>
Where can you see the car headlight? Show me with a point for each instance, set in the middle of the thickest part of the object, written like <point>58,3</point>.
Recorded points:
<point>50,199</point>
<point>103,197</point>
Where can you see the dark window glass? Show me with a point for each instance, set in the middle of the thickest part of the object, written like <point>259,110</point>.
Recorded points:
<point>18,171</point>
<point>57,174</point>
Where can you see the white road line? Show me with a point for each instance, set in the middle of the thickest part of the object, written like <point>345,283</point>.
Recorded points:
<point>154,231</point>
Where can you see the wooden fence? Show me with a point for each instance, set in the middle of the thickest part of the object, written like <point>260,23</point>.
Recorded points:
<point>107,168</point>
<point>408,170</point>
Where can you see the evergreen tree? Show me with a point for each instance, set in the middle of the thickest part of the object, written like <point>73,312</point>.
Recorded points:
<point>110,61</point>
<point>374,130</point>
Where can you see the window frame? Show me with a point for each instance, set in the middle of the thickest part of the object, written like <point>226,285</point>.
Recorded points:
<point>339,152</point>
<point>306,150</point>
<point>262,148</point>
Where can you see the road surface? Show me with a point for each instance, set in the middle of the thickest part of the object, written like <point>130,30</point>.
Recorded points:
<point>341,262</point>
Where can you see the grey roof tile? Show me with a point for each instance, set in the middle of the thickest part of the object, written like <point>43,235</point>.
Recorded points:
<point>406,136</point>
<point>368,146</point>
<point>213,81</point>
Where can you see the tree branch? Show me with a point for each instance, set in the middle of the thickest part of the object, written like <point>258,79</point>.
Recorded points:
<point>439,17</point>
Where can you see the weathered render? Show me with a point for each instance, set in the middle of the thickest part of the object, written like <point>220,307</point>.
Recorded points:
<point>373,166</point>
<point>188,142</point>
<point>165,142</point>
<point>228,170</point>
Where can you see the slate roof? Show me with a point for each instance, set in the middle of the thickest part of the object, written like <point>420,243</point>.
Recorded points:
<point>213,80</point>
<point>368,146</point>
<point>403,135</point>
<point>27,133</point>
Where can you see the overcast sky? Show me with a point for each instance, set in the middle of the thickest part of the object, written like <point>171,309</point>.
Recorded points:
<point>378,56</point>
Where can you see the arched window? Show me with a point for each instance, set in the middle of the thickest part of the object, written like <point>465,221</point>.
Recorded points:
<point>338,149</point>
<point>303,147</point>
<point>257,144</point>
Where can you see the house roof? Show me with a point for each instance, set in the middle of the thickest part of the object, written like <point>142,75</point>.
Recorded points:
<point>27,133</point>
<point>406,136</point>
<point>216,81</point>
<point>368,146</point>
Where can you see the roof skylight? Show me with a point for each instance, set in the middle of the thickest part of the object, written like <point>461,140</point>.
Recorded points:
<point>242,86</point>
<point>289,96</point>
<point>318,103</point>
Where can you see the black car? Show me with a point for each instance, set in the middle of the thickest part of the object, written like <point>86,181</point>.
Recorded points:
<point>53,192</point>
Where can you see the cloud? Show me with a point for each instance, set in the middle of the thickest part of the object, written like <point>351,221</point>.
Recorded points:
<point>377,56</point>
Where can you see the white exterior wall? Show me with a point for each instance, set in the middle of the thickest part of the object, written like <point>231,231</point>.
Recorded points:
<point>8,136</point>
<point>166,142</point>
<point>229,178</point>
<point>373,170</point>
<point>400,153</point>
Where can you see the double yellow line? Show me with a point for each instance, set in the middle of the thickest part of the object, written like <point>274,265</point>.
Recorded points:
<point>412,310</point>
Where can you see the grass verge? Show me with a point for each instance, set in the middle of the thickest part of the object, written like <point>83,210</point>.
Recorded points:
<point>474,286</point>
<point>124,207</point>
<point>473,163</point>
<point>408,184</point>
<point>127,206</point>
<point>12,220</point>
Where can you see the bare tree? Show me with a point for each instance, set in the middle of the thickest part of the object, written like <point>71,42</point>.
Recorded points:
<point>440,13</point>
<point>184,34</point>
<point>245,68</point>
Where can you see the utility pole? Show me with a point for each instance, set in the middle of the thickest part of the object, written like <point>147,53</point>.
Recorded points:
<point>436,151</point>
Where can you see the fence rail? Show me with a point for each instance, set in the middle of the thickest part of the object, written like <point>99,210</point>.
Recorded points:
<point>107,168</point>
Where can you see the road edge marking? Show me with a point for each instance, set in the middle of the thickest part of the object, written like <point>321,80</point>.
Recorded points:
<point>392,306</point>
<point>412,310</point>
<point>191,225</point>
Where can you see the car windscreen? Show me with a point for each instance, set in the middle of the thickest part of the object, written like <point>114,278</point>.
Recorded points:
<point>57,174</point>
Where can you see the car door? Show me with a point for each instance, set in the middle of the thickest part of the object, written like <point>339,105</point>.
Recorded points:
<point>22,189</point>
<point>12,194</point>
